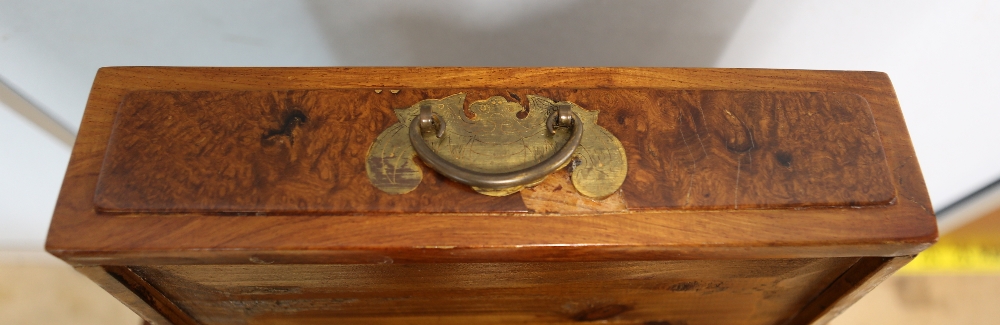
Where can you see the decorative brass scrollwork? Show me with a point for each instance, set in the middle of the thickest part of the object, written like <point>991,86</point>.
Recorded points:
<point>496,152</point>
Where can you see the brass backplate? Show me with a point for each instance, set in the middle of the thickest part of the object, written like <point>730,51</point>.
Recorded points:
<point>495,140</point>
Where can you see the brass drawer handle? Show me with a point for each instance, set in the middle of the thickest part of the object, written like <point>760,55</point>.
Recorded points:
<point>428,121</point>
<point>499,150</point>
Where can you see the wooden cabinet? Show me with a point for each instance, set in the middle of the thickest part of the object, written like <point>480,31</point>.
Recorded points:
<point>253,196</point>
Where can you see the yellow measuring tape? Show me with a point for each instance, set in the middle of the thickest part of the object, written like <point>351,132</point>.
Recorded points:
<point>951,258</point>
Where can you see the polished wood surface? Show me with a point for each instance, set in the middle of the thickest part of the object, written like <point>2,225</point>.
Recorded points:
<point>678,292</point>
<point>856,282</point>
<point>838,192</point>
<point>303,152</point>
<point>904,227</point>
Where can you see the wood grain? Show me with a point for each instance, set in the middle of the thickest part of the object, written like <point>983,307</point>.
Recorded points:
<point>294,152</point>
<point>150,296</point>
<point>683,292</point>
<point>905,227</point>
<point>758,150</point>
<point>792,211</point>
<point>303,152</point>
<point>558,195</point>
<point>860,279</point>
<point>121,291</point>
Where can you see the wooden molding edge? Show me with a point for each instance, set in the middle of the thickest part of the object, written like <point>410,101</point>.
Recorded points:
<point>855,283</point>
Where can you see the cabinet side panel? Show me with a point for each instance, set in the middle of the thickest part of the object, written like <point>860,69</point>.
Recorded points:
<point>855,283</point>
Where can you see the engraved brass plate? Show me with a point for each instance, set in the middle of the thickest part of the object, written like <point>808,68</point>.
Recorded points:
<point>495,140</point>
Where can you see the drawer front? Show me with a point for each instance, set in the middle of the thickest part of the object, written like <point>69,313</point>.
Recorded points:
<point>663,292</point>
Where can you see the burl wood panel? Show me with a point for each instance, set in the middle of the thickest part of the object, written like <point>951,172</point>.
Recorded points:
<point>674,292</point>
<point>303,152</point>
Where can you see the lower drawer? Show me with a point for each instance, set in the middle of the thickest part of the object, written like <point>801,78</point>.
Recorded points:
<point>655,292</point>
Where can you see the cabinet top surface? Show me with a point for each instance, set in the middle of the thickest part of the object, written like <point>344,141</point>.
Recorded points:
<point>177,164</point>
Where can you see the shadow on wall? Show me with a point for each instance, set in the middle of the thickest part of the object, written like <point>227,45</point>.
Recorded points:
<point>529,33</point>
